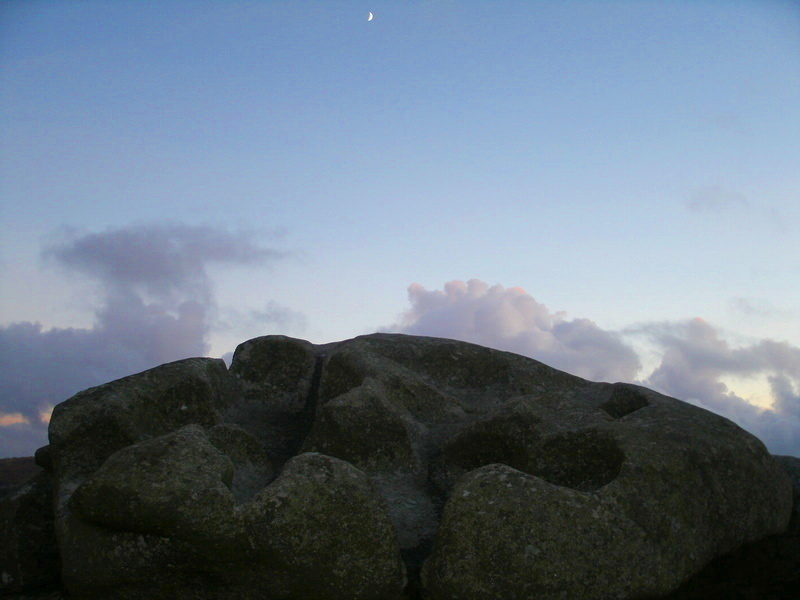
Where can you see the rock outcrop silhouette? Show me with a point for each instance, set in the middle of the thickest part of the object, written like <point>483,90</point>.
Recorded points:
<point>392,466</point>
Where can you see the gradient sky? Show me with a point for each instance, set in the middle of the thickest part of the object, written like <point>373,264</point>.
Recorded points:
<point>610,187</point>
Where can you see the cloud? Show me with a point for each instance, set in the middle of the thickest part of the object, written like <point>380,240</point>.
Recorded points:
<point>692,356</point>
<point>718,200</point>
<point>713,198</point>
<point>787,396</point>
<point>164,260</point>
<point>13,419</point>
<point>157,305</point>
<point>510,319</point>
<point>757,309</point>
<point>695,359</point>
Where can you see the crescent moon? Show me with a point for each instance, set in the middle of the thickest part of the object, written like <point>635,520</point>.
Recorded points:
<point>370,17</point>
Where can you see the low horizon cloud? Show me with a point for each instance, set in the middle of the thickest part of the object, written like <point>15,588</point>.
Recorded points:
<point>157,305</point>
<point>694,358</point>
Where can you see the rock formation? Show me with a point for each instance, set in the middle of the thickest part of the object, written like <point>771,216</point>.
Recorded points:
<point>393,466</point>
<point>765,570</point>
<point>28,552</point>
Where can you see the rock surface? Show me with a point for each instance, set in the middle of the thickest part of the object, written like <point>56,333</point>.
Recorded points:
<point>765,570</point>
<point>28,552</point>
<point>393,466</point>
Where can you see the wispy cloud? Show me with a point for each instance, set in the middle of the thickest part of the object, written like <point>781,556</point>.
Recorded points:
<point>714,198</point>
<point>754,308</point>
<point>156,305</point>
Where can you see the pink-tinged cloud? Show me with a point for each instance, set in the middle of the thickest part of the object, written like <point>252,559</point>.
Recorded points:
<point>695,358</point>
<point>510,319</point>
<point>45,414</point>
<point>7,419</point>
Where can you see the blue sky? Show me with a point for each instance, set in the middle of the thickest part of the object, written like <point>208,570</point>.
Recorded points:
<point>610,187</point>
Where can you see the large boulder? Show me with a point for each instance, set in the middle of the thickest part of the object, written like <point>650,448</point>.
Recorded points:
<point>791,464</point>
<point>158,520</point>
<point>768,568</point>
<point>392,465</point>
<point>617,507</point>
<point>159,496</point>
<point>278,377</point>
<point>321,531</point>
<point>175,486</point>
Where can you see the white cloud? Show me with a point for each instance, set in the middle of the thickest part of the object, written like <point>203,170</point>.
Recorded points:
<point>510,319</point>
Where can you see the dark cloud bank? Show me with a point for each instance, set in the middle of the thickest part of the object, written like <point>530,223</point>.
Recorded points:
<point>694,358</point>
<point>157,305</point>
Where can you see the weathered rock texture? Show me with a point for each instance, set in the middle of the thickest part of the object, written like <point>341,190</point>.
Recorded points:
<point>768,569</point>
<point>393,466</point>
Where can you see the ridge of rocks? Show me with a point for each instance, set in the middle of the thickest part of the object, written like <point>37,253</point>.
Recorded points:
<point>393,466</point>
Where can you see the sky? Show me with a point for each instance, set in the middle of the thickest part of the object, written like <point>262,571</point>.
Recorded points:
<point>612,188</point>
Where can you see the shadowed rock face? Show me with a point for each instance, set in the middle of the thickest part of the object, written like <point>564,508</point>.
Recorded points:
<point>388,466</point>
<point>28,553</point>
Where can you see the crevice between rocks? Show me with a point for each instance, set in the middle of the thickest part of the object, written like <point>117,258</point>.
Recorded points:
<point>288,430</point>
<point>305,420</point>
<point>414,558</point>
